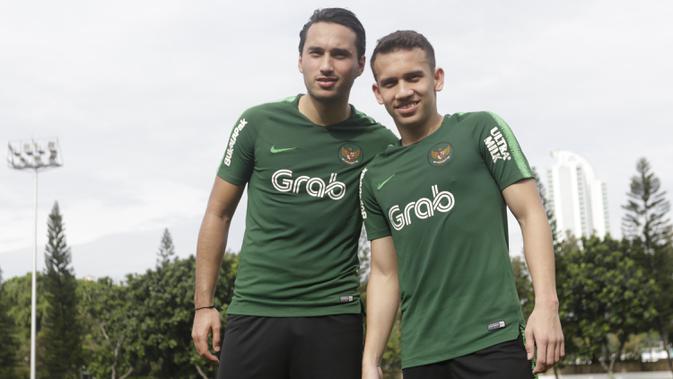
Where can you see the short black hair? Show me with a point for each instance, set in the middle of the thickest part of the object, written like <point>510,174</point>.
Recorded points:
<point>339,16</point>
<point>403,40</point>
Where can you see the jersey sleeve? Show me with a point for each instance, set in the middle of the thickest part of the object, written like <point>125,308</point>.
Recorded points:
<point>501,152</point>
<point>373,218</point>
<point>239,156</point>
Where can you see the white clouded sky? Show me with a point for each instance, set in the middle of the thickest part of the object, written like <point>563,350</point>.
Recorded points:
<point>143,94</point>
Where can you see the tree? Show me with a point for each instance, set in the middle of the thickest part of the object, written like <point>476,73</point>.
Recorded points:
<point>646,209</point>
<point>17,297</point>
<point>61,340</point>
<point>604,294</point>
<point>9,345</point>
<point>111,338</point>
<point>162,300</point>
<point>166,249</point>
<point>646,223</point>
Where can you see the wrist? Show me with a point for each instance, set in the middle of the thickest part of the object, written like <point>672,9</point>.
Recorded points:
<point>550,302</point>
<point>371,360</point>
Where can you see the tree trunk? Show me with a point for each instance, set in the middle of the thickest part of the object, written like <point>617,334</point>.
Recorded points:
<point>664,339</point>
<point>605,356</point>
<point>126,375</point>
<point>617,355</point>
<point>200,371</point>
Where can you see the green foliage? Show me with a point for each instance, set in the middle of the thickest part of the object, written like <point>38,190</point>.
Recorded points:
<point>646,209</point>
<point>16,294</point>
<point>647,224</point>
<point>166,248</point>
<point>111,346</point>
<point>603,292</point>
<point>9,345</point>
<point>163,308</point>
<point>61,335</point>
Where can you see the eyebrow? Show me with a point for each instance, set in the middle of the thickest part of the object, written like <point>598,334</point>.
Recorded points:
<point>333,51</point>
<point>385,81</point>
<point>337,50</point>
<point>405,76</point>
<point>413,74</point>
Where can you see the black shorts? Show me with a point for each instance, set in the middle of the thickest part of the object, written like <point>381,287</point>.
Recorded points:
<point>325,347</point>
<point>505,360</point>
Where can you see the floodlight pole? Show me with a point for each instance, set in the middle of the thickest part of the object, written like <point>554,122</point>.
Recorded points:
<point>28,155</point>
<point>33,297</point>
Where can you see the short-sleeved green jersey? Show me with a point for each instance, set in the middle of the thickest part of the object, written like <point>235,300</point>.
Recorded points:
<point>299,253</point>
<point>440,200</point>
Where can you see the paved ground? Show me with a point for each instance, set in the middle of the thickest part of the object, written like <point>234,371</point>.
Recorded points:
<point>631,375</point>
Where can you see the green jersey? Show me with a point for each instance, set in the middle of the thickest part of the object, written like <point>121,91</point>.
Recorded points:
<point>299,253</point>
<point>440,200</point>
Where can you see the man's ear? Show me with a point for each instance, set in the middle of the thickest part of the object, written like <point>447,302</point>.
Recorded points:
<point>377,93</point>
<point>439,79</point>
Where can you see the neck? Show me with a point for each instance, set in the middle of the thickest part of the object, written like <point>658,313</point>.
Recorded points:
<point>414,133</point>
<point>324,113</point>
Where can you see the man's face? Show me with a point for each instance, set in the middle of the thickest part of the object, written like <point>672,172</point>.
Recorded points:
<point>329,61</point>
<point>407,86</point>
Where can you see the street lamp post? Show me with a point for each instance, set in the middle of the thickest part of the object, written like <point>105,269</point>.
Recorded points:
<point>36,156</point>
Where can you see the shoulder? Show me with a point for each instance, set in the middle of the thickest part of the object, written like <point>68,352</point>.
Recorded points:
<point>257,116</point>
<point>264,109</point>
<point>477,119</point>
<point>372,127</point>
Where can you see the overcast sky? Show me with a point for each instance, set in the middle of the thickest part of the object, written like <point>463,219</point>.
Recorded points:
<point>142,96</point>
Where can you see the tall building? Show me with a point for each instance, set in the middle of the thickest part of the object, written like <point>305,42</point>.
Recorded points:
<point>578,198</point>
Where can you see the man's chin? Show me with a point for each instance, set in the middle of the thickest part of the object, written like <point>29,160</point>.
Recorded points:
<point>326,96</point>
<point>407,122</point>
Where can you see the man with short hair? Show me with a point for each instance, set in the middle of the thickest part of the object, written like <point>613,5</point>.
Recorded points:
<point>296,310</point>
<point>434,207</point>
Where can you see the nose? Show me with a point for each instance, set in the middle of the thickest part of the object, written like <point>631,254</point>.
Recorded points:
<point>326,66</point>
<point>403,91</point>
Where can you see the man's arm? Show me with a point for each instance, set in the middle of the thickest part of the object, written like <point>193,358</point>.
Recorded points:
<point>543,330</point>
<point>210,247</point>
<point>383,297</point>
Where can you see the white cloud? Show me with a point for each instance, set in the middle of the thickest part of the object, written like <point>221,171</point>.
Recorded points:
<point>143,94</point>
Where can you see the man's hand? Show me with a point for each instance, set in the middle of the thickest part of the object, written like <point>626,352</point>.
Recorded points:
<point>543,332</point>
<point>372,372</point>
<point>206,321</point>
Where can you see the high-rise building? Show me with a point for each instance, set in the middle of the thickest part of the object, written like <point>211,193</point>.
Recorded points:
<point>578,198</point>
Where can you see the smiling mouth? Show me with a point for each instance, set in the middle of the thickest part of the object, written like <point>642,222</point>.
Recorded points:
<point>407,105</point>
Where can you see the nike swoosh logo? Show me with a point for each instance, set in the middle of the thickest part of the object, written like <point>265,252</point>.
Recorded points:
<point>275,150</point>
<point>383,183</point>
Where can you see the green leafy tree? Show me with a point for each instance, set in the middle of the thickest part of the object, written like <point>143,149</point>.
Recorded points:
<point>16,294</point>
<point>61,339</point>
<point>166,249</point>
<point>605,294</point>
<point>646,223</point>
<point>164,309</point>
<point>9,345</point>
<point>111,343</point>
<point>647,209</point>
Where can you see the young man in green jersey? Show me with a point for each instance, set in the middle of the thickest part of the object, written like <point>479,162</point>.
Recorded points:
<point>434,207</point>
<point>296,310</point>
